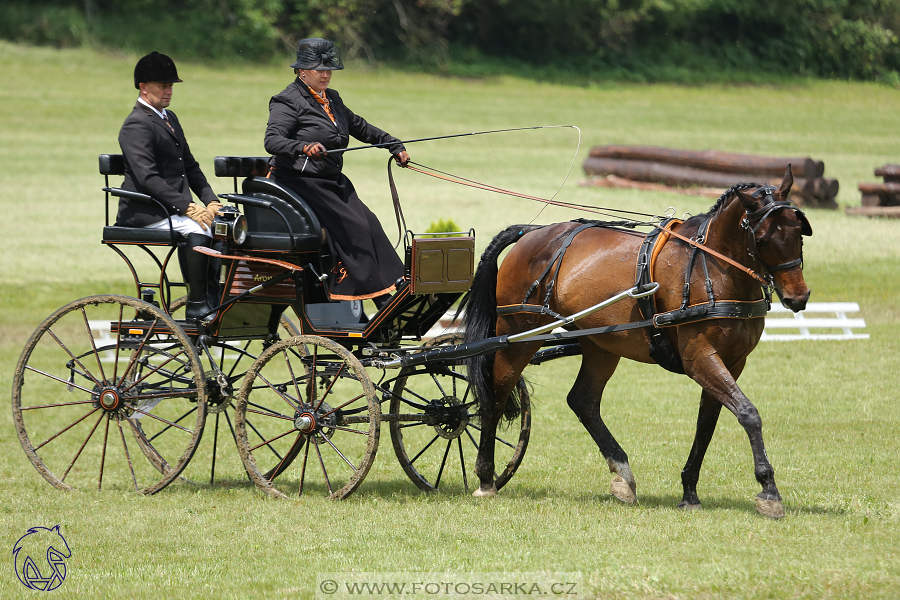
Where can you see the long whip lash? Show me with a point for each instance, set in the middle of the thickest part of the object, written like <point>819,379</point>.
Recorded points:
<point>616,213</point>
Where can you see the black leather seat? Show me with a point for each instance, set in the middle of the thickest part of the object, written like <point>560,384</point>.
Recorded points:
<point>114,164</point>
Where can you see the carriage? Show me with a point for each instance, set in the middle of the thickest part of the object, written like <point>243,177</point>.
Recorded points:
<point>117,390</point>
<point>121,388</point>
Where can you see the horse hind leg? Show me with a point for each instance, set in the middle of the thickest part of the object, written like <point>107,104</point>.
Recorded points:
<point>707,418</point>
<point>597,366</point>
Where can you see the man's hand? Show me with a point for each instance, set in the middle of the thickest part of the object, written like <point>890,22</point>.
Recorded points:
<point>402,158</point>
<point>199,214</point>
<point>314,150</point>
<point>213,208</point>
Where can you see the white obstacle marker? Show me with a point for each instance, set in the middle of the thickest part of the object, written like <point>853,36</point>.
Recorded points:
<point>838,327</point>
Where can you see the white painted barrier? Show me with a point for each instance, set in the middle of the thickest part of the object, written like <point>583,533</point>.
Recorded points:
<point>811,328</point>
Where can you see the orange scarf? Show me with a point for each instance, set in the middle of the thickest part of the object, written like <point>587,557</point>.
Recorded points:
<point>323,100</point>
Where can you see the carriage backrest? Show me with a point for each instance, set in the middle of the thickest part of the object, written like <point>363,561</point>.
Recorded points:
<point>270,225</point>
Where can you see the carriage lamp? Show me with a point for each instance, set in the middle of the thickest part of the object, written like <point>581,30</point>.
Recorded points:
<point>230,224</point>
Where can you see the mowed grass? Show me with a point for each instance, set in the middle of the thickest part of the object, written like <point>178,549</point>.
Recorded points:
<point>830,410</point>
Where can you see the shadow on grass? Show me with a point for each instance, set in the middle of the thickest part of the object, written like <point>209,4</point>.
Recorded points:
<point>402,491</point>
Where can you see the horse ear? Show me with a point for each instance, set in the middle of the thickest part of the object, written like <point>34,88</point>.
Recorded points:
<point>786,183</point>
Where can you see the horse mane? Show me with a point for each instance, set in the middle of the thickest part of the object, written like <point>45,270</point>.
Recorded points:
<point>729,193</point>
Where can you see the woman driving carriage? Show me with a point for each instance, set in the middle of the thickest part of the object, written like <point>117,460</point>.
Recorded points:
<point>306,120</point>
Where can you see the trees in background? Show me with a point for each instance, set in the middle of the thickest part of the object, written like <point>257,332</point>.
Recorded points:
<point>857,39</point>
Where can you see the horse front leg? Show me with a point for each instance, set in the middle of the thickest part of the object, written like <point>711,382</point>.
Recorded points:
<point>719,383</point>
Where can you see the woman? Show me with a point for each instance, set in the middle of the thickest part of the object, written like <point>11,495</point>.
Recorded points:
<point>307,120</point>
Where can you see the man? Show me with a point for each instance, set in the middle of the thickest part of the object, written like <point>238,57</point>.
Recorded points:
<point>159,163</point>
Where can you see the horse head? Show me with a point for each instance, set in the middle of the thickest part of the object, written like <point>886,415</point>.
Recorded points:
<point>776,229</point>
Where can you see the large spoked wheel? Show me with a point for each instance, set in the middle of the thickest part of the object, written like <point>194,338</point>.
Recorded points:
<point>436,426</point>
<point>225,363</point>
<point>101,377</point>
<point>307,420</point>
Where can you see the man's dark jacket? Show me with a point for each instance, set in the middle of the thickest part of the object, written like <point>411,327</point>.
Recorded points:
<point>159,163</point>
<point>296,119</point>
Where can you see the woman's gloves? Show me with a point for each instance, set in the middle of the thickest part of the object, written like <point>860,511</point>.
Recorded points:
<point>402,158</point>
<point>314,150</point>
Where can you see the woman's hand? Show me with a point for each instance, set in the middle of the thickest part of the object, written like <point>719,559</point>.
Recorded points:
<point>314,150</point>
<point>402,158</point>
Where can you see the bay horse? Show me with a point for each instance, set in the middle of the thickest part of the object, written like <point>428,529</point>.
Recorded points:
<point>750,227</point>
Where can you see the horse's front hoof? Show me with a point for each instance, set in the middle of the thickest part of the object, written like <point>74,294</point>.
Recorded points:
<point>685,505</point>
<point>623,491</point>
<point>772,509</point>
<point>485,492</point>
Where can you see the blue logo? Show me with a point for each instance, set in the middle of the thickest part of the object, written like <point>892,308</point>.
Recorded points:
<point>40,558</point>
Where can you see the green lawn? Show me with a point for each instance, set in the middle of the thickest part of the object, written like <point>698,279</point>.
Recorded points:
<point>829,409</point>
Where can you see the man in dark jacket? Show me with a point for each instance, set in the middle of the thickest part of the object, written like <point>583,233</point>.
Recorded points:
<point>159,163</point>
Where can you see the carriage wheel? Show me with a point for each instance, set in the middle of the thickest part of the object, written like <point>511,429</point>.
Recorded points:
<point>216,460</point>
<point>103,373</point>
<point>435,426</point>
<point>313,408</point>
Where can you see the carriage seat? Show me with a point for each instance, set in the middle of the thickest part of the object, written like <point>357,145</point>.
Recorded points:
<point>114,164</point>
<point>277,217</point>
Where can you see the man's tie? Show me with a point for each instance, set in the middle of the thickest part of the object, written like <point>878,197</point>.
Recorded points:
<point>166,119</point>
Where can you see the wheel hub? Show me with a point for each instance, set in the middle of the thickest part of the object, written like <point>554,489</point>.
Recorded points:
<point>452,417</point>
<point>110,400</point>
<point>305,422</point>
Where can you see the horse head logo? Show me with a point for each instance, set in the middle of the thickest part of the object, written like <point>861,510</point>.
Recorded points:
<point>40,558</point>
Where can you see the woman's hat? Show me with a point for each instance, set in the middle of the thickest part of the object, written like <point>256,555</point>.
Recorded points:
<point>317,54</point>
<point>155,67</point>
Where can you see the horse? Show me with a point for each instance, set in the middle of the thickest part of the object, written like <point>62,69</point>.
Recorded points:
<point>750,227</point>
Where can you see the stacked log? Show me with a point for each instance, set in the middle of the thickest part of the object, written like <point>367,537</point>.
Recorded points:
<point>880,199</point>
<point>682,169</point>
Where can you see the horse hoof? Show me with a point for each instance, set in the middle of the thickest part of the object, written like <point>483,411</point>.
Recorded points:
<point>485,492</point>
<point>772,509</point>
<point>689,506</point>
<point>622,490</point>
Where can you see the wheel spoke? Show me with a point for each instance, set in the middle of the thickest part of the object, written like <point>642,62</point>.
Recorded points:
<point>83,444</point>
<point>55,378</point>
<point>127,454</point>
<point>103,455</point>
<point>47,441</point>
<point>437,482</point>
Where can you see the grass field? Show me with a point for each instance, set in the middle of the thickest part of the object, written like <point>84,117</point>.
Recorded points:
<point>830,410</point>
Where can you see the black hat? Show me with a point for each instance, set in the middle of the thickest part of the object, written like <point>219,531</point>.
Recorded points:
<point>155,67</point>
<point>317,54</point>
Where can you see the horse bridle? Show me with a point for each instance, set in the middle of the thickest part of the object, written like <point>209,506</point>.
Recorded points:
<point>770,205</point>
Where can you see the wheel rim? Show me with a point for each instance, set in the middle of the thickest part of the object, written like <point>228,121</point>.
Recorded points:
<point>306,419</point>
<point>435,427</point>
<point>85,401</point>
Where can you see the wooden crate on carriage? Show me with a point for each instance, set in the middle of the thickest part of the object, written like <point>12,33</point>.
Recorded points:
<point>441,263</point>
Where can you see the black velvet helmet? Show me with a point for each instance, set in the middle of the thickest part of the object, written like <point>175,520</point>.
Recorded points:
<point>155,67</point>
<point>317,54</point>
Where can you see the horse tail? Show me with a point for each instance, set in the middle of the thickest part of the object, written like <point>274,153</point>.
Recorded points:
<point>480,321</point>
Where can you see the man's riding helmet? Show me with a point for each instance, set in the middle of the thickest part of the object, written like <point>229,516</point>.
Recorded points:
<point>316,54</point>
<point>155,67</point>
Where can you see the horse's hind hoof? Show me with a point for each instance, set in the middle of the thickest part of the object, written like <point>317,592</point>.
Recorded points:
<point>773,509</point>
<point>622,490</point>
<point>689,506</point>
<point>485,492</point>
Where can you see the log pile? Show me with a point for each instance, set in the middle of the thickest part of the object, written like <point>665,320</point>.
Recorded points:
<point>880,199</point>
<point>713,172</point>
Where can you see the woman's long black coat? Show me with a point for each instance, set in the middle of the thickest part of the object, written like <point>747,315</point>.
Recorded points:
<point>367,265</point>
